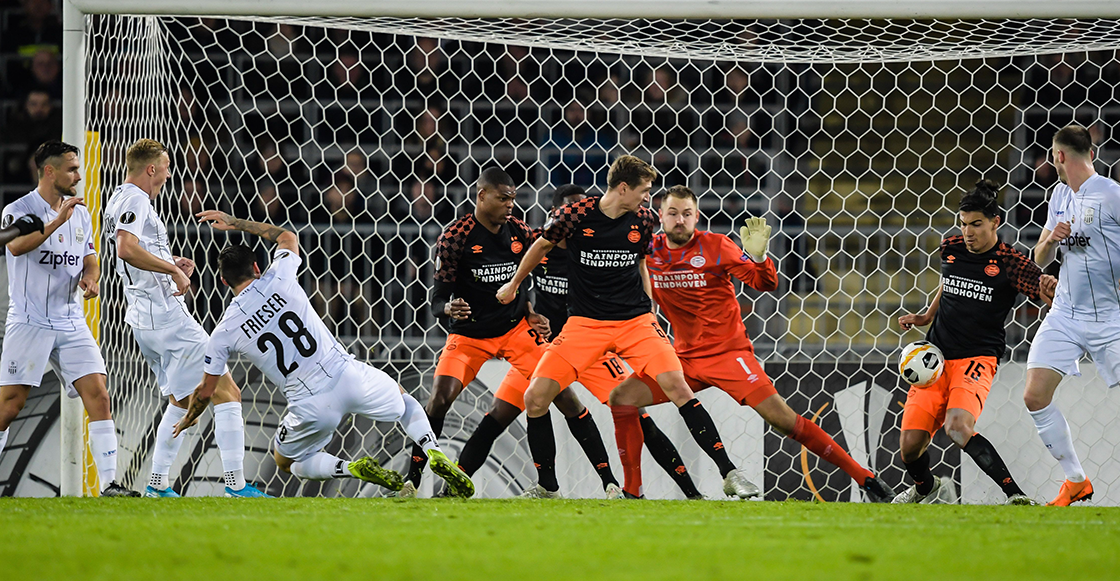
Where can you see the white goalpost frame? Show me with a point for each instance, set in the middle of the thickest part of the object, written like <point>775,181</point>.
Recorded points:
<point>74,49</point>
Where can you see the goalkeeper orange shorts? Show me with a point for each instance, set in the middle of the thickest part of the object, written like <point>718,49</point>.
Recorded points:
<point>462,357</point>
<point>584,341</point>
<point>736,372</point>
<point>964,385</point>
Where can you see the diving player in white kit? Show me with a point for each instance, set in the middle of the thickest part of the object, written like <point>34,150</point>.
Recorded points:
<point>271,322</point>
<point>48,270</point>
<point>171,340</point>
<point>1084,220</point>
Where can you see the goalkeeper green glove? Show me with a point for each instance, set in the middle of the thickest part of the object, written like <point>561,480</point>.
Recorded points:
<point>756,238</point>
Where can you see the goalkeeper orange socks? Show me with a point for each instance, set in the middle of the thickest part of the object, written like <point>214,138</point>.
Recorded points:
<point>628,436</point>
<point>818,442</point>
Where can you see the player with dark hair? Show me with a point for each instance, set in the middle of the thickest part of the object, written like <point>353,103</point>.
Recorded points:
<point>981,278</point>
<point>610,311</point>
<point>46,327</point>
<point>550,295</point>
<point>691,272</point>
<point>271,322</point>
<point>473,256</point>
<point>1083,218</point>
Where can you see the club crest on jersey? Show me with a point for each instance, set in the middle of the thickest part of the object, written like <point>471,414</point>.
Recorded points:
<point>697,261</point>
<point>515,246</point>
<point>60,239</point>
<point>634,236</point>
<point>991,270</point>
<point>1088,217</point>
<point>477,249</point>
<point>79,233</point>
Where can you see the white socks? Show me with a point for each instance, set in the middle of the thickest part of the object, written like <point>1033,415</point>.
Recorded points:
<point>416,425</point>
<point>166,447</point>
<point>103,447</point>
<point>321,466</point>
<point>229,434</point>
<point>3,440</point>
<point>1054,430</point>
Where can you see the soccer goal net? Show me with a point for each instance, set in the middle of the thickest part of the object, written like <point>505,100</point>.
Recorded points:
<point>855,138</point>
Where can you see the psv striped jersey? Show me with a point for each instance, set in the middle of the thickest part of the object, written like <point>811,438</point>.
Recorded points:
<point>43,283</point>
<point>1087,283</point>
<point>692,285</point>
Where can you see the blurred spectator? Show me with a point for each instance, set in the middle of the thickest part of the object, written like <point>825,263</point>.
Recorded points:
<point>346,77</point>
<point>736,90</point>
<point>192,200</point>
<point>425,68</point>
<point>37,121</point>
<point>356,169</point>
<point>427,133</point>
<point>663,88</point>
<point>792,247</point>
<point>581,149</point>
<point>43,72</point>
<point>38,28</point>
<point>1052,79</point>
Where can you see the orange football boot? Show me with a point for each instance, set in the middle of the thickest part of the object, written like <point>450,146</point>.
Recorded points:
<point>1072,492</point>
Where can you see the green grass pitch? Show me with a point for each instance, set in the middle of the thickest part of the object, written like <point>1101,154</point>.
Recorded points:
<point>217,538</point>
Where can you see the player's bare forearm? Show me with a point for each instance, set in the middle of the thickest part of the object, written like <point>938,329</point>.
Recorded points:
<point>1047,247</point>
<point>266,231</point>
<point>198,402</point>
<point>283,238</point>
<point>24,244</point>
<point>532,258</point>
<point>130,251</point>
<point>537,251</point>
<point>91,268</point>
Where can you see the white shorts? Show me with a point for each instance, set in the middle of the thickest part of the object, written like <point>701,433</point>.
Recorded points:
<point>1061,341</point>
<point>175,355</point>
<point>309,423</point>
<point>29,349</point>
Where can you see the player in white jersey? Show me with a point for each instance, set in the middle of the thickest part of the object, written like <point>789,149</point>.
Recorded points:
<point>46,323</point>
<point>1084,220</point>
<point>171,340</point>
<point>271,322</point>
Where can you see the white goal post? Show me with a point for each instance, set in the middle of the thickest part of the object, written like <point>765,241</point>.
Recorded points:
<point>854,125</point>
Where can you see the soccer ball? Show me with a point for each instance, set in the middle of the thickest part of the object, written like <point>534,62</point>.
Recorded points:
<point>921,363</point>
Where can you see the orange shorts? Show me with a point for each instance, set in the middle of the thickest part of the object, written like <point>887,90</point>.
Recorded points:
<point>462,357</point>
<point>599,379</point>
<point>738,373</point>
<point>583,342</point>
<point>964,384</point>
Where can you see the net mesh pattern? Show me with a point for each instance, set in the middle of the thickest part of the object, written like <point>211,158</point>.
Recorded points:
<point>365,136</point>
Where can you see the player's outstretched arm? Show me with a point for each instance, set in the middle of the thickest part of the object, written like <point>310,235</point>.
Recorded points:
<point>532,258</point>
<point>1047,247</point>
<point>755,236</point>
<point>130,251</point>
<point>198,402</point>
<point>24,244</point>
<point>21,226</point>
<point>91,274</point>
<point>910,321</point>
<point>283,238</point>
